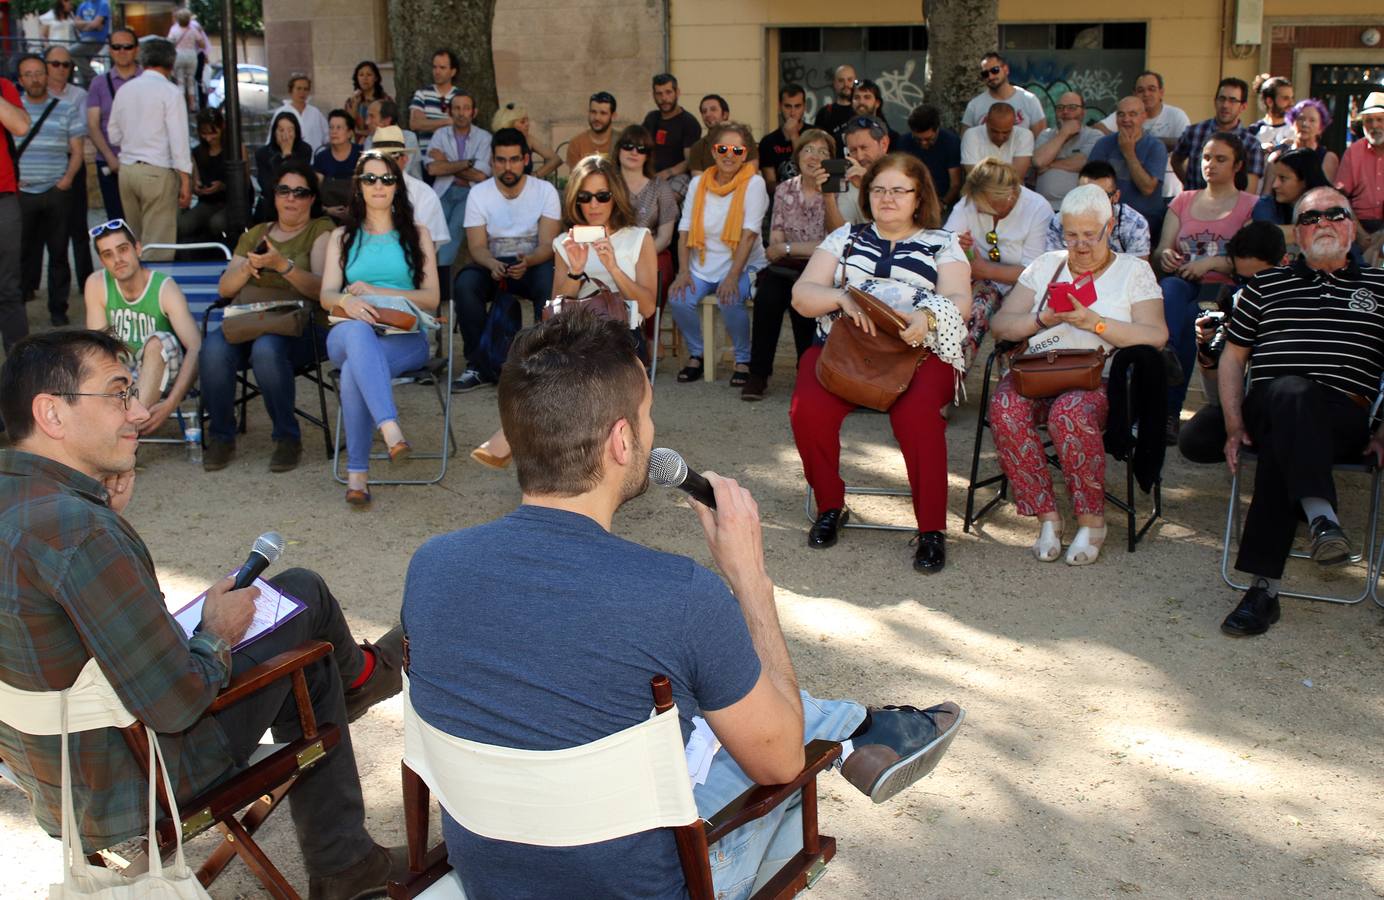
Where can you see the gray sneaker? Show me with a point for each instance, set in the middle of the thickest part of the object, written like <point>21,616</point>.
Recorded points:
<point>902,745</point>
<point>469,381</point>
<point>217,455</point>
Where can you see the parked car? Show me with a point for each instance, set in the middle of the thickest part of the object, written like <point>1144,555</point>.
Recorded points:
<point>254,87</point>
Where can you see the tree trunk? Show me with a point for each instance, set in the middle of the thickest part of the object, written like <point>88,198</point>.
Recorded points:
<point>419,28</point>
<point>959,33</point>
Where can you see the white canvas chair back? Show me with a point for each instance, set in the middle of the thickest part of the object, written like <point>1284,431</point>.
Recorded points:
<point>632,781</point>
<point>92,703</point>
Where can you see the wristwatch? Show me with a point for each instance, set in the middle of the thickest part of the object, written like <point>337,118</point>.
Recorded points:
<point>931,319</point>
<point>1100,326</point>
<point>291,266</point>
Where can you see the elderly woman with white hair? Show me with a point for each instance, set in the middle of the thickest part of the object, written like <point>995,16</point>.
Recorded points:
<point>1127,311</point>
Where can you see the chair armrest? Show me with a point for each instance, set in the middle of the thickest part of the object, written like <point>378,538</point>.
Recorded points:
<point>268,672</point>
<point>759,799</point>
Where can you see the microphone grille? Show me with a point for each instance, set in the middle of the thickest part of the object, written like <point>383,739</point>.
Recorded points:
<point>666,467</point>
<point>270,545</point>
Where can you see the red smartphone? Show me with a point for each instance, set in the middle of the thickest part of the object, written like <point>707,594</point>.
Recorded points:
<point>1060,297</point>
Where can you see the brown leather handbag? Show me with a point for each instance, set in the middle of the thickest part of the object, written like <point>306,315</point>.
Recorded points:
<point>605,302</point>
<point>259,311</point>
<point>1048,373</point>
<point>869,370</point>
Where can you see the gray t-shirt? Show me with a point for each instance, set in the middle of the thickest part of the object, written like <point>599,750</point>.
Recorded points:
<point>540,631</point>
<point>1054,184</point>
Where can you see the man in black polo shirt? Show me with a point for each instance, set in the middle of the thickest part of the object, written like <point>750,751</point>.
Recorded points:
<point>1315,330</point>
<point>776,148</point>
<point>674,129</point>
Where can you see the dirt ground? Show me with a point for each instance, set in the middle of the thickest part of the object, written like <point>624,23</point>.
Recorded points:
<point>1116,742</point>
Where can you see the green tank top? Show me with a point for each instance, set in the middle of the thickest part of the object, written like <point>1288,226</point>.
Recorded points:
<point>134,321</point>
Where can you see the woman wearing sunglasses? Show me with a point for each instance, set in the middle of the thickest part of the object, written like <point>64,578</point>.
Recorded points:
<point>719,250</point>
<point>1002,226</point>
<point>623,260</point>
<point>903,258</point>
<point>380,251</point>
<point>1191,252</point>
<point>655,204</point>
<point>285,143</point>
<point>279,259</point>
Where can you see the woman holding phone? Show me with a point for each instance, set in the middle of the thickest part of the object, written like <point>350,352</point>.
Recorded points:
<point>1127,311</point>
<point>602,248</point>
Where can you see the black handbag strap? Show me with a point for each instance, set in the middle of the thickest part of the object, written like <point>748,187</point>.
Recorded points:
<point>33,132</point>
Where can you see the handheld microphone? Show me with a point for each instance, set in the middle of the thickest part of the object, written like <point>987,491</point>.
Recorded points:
<point>667,468</point>
<point>266,551</point>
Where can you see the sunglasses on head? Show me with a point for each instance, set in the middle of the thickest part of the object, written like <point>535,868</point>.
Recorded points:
<point>60,63</point>
<point>993,240</point>
<point>993,70</point>
<point>632,147</point>
<point>1331,214</point>
<point>726,149</point>
<point>105,227</point>
<point>598,196</point>
<point>297,193</point>
<point>371,178</point>
<point>122,46</point>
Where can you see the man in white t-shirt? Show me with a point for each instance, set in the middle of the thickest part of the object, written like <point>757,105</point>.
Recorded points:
<point>1162,120</point>
<point>1000,137</point>
<point>1061,152</point>
<point>866,140</point>
<point>511,221</point>
<point>1028,110</point>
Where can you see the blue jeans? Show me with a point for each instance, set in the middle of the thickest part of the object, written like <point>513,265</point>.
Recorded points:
<point>764,845</point>
<point>454,209</point>
<point>274,359</point>
<point>110,191</point>
<point>688,317</point>
<point>368,362</point>
<point>1181,307</point>
<point>476,290</point>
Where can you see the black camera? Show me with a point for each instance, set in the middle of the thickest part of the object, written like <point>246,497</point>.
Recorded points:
<point>1209,352</point>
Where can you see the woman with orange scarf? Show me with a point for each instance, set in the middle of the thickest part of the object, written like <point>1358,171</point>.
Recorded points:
<point>719,247</point>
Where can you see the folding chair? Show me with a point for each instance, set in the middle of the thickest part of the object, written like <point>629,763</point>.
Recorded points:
<point>865,491</point>
<point>1125,504</point>
<point>1373,560</point>
<point>437,370</point>
<point>200,283</point>
<point>634,780</point>
<point>258,789</point>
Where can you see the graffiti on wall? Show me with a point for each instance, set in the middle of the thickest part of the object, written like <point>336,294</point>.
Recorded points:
<point>899,75</point>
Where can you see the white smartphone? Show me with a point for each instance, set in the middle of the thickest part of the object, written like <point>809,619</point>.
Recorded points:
<point>588,234</point>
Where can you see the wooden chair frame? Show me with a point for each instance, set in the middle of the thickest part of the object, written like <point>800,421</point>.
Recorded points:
<point>261,786</point>
<point>693,839</point>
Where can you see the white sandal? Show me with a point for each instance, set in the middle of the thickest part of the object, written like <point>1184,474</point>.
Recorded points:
<point>1082,552</point>
<point>1049,544</point>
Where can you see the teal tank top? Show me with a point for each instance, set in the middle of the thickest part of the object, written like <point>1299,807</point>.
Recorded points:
<point>378,259</point>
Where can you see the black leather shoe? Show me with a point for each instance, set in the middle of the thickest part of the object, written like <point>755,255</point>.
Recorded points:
<point>825,530</point>
<point>1256,612</point>
<point>1330,546</point>
<point>931,555</point>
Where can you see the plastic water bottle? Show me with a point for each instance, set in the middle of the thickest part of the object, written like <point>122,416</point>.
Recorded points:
<point>192,435</point>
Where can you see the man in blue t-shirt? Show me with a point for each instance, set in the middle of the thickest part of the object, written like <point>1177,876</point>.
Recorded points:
<point>1139,160</point>
<point>93,25</point>
<point>541,630</point>
<point>939,149</point>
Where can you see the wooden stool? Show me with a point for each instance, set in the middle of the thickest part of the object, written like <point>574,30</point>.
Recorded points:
<point>710,357</point>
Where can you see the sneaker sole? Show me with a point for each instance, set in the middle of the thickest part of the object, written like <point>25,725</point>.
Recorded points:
<point>915,767</point>
<point>1331,553</point>
<point>474,387</point>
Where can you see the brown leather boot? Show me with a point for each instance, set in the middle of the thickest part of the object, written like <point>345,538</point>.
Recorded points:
<point>366,878</point>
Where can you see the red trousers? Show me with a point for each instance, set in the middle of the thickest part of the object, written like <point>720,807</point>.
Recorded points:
<point>916,417</point>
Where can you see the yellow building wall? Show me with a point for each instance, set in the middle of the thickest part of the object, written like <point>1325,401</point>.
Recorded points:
<point>725,46</point>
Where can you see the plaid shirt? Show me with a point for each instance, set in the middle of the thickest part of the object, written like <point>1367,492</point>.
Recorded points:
<point>75,582</point>
<point>1195,138</point>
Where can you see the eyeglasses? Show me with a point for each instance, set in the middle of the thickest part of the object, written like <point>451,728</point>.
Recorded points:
<point>726,149</point>
<point>300,193</point>
<point>1331,214</point>
<point>893,193</point>
<point>122,46</point>
<point>104,227</point>
<point>993,240</point>
<point>816,150</point>
<point>372,179</point>
<point>1070,241</point>
<point>1065,107</point>
<point>60,63</point>
<point>1222,98</point>
<point>124,396</point>
<point>632,147</point>
<point>993,70</point>
<point>598,196</point>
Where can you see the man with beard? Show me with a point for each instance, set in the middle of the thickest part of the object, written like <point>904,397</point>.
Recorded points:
<point>540,631</point>
<point>1028,111</point>
<point>831,117</point>
<point>595,141</point>
<point>1361,176</point>
<point>867,99</point>
<point>674,130</point>
<point>1315,330</point>
<point>714,110</point>
<point>511,221</point>
<point>867,139</point>
<point>1232,95</point>
<point>776,147</point>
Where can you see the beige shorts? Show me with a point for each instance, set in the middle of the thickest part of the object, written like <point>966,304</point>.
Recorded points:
<point>172,352</point>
